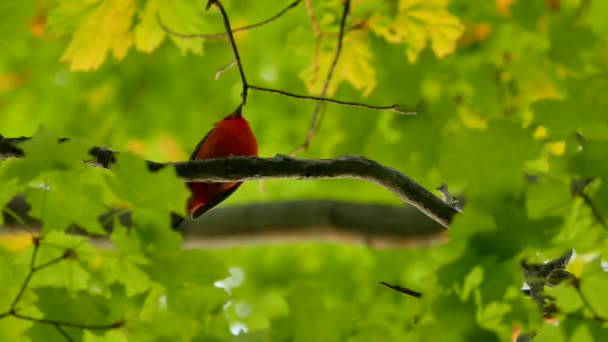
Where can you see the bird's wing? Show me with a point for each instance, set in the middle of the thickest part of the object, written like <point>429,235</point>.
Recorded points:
<point>216,199</point>
<point>199,145</point>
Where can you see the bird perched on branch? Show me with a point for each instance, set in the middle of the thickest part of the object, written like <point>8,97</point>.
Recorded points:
<point>231,136</point>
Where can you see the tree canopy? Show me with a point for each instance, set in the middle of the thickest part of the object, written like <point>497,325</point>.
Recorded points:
<point>504,101</point>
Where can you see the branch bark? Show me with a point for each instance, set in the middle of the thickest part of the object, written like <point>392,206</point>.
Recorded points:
<point>251,168</point>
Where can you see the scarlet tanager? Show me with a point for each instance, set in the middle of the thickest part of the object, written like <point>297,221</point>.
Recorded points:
<point>231,136</point>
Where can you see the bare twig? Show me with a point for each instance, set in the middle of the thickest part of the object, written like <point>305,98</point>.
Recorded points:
<point>393,108</point>
<point>577,188</point>
<point>313,20</point>
<point>594,210</point>
<point>235,51</point>
<point>67,254</point>
<point>63,332</point>
<point>28,277</point>
<point>318,37</point>
<point>109,326</point>
<point>315,116</point>
<point>246,86</point>
<point>586,302</point>
<point>224,34</point>
<point>402,290</point>
<point>221,71</point>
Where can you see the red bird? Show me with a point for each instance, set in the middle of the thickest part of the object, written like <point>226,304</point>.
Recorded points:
<point>231,136</point>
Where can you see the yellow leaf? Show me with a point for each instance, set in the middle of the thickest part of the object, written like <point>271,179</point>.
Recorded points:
<point>16,242</point>
<point>556,148</point>
<point>104,29</point>
<point>354,67</point>
<point>472,120</point>
<point>416,23</point>
<point>148,34</point>
<point>541,132</point>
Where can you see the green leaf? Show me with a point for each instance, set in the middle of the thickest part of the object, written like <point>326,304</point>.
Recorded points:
<point>354,67</point>
<point>547,198</point>
<point>148,33</point>
<point>490,166</point>
<point>567,297</point>
<point>173,269</point>
<point>44,153</point>
<point>550,333</point>
<point>592,282</point>
<point>60,203</point>
<point>306,322</point>
<point>592,160</point>
<point>185,17</point>
<point>151,195</point>
<point>596,20</point>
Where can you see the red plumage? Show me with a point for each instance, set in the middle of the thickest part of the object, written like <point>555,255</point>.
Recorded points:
<point>231,136</point>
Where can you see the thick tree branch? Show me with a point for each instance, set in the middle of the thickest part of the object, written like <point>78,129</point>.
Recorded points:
<point>251,168</point>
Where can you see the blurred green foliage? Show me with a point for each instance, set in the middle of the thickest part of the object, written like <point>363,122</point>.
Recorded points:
<point>510,87</point>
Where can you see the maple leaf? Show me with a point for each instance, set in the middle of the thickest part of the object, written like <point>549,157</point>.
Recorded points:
<point>354,66</point>
<point>417,22</point>
<point>103,28</point>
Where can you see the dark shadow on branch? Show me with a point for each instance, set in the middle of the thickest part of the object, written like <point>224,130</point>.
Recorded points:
<point>374,225</point>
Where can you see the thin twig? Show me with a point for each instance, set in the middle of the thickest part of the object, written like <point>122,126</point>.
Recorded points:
<point>69,253</point>
<point>235,51</point>
<point>313,20</point>
<point>224,34</point>
<point>577,188</point>
<point>318,37</point>
<point>109,326</point>
<point>332,67</point>
<point>393,108</point>
<point>594,210</point>
<point>29,275</point>
<point>587,303</point>
<point>63,332</point>
<point>402,290</point>
<point>222,70</point>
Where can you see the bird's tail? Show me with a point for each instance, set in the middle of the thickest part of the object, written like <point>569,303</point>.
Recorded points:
<point>176,220</point>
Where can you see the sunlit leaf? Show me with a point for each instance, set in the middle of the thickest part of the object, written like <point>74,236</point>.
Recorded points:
<point>418,22</point>
<point>103,29</point>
